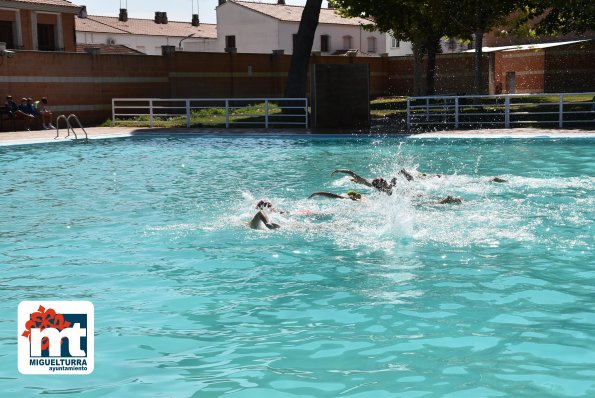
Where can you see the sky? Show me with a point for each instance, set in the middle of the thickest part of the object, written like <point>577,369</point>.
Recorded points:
<point>177,10</point>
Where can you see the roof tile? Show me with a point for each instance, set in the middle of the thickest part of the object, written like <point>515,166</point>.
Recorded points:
<point>58,3</point>
<point>147,27</point>
<point>108,49</point>
<point>290,13</point>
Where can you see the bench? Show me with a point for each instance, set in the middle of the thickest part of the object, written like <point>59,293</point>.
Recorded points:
<point>5,116</point>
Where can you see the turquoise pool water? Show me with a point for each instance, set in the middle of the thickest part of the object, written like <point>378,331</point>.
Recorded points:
<point>391,297</point>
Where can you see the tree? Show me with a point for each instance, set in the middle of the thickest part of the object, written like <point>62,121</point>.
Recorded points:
<point>424,23</point>
<point>298,71</point>
<point>484,16</point>
<point>561,16</point>
<point>421,23</point>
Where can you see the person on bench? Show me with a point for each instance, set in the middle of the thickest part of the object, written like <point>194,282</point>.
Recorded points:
<point>19,112</point>
<point>44,111</point>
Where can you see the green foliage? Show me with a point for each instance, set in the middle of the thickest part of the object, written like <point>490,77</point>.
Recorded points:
<point>561,16</point>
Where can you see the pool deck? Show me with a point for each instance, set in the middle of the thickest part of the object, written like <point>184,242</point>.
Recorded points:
<point>94,133</point>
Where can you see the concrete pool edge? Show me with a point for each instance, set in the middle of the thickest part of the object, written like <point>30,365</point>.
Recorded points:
<point>97,133</point>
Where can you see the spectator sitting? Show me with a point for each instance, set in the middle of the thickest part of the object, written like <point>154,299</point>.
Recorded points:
<point>46,115</point>
<point>15,112</point>
<point>26,112</point>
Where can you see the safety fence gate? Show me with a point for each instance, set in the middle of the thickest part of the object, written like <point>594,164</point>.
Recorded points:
<point>513,110</point>
<point>225,112</point>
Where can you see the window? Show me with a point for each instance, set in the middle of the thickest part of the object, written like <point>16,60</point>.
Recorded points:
<point>394,43</point>
<point>371,44</point>
<point>46,37</point>
<point>294,38</point>
<point>325,41</point>
<point>347,42</point>
<point>230,42</point>
<point>452,44</point>
<point>6,33</point>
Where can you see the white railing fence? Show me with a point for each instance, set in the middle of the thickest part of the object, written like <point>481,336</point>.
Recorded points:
<point>511,110</point>
<point>203,112</point>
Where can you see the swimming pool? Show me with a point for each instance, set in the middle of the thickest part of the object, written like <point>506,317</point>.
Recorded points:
<point>393,296</point>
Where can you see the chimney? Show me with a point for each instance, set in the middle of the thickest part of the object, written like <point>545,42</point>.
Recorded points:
<point>158,17</point>
<point>83,12</point>
<point>195,20</point>
<point>281,2</point>
<point>123,15</point>
<point>164,17</point>
<point>221,2</point>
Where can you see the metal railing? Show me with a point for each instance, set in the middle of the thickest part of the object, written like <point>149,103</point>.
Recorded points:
<point>511,110</point>
<point>69,127</point>
<point>201,112</point>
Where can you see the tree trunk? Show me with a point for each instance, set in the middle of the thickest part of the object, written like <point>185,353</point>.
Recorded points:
<point>478,37</point>
<point>418,55</point>
<point>432,48</point>
<point>477,67</point>
<point>298,71</point>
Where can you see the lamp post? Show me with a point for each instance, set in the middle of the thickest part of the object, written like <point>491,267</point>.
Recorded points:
<point>187,37</point>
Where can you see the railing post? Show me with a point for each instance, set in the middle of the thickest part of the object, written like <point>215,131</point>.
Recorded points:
<point>151,113</point>
<point>507,112</point>
<point>427,109</point>
<point>306,110</point>
<point>187,113</point>
<point>456,112</point>
<point>113,112</point>
<point>227,113</point>
<point>266,113</point>
<point>408,114</point>
<point>561,111</point>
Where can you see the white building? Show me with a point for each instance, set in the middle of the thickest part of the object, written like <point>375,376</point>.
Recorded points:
<point>252,27</point>
<point>146,35</point>
<point>247,27</point>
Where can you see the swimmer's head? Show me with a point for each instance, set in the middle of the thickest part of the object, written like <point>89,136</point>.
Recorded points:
<point>354,195</point>
<point>264,204</point>
<point>382,185</point>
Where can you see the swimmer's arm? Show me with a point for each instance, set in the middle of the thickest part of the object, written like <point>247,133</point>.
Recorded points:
<point>261,217</point>
<point>356,178</point>
<point>407,174</point>
<point>328,195</point>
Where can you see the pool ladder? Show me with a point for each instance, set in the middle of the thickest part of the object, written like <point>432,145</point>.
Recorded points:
<point>69,127</point>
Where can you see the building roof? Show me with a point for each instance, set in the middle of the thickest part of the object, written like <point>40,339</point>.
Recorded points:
<point>145,27</point>
<point>107,49</point>
<point>289,13</point>
<point>520,47</point>
<point>41,5</point>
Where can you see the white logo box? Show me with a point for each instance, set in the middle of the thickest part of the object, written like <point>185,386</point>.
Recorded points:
<point>79,362</point>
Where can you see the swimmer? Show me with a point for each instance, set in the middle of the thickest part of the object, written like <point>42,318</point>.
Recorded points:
<point>379,183</point>
<point>407,175</point>
<point>352,195</point>
<point>498,179</point>
<point>451,200</point>
<point>260,218</point>
<point>354,177</point>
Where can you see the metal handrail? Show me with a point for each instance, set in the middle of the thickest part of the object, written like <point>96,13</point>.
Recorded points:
<point>73,116</point>
<point>449,109</point>
<point>69,127</point>
<point>153,108</point>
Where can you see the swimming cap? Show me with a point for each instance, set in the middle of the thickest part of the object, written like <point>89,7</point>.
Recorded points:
<point>354,194</point>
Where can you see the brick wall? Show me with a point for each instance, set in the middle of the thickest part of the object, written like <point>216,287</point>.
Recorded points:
<point>454,74</point>
<point>528,69</point>
<point>85,84</point>
<point>570,68</point>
